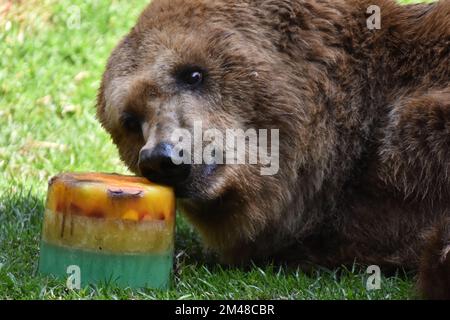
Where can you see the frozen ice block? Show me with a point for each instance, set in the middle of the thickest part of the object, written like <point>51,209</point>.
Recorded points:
<point>114,228</point>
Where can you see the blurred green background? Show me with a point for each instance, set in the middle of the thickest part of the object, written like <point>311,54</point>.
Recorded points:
<point>52,54</point>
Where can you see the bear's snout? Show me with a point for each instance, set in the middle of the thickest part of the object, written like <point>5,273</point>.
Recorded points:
<point>157,165</point>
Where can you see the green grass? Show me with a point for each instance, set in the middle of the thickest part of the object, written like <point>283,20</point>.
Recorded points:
<point>49,74</point>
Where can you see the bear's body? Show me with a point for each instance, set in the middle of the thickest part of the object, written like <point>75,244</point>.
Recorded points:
<point>364,119</point>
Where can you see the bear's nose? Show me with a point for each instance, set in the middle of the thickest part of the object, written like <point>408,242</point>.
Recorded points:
<point>157,165</point>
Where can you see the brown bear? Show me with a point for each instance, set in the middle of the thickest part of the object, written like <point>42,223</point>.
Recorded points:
<point>363,113</point>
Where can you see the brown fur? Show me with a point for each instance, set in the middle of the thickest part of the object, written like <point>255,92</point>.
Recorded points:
<point>434,280</point>
<point>364,119</point>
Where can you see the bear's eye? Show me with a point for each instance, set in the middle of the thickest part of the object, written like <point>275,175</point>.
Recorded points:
<point>131,122</point>
<point>190,76</point>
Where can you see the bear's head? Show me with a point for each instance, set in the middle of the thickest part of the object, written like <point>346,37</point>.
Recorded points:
<point>193,72</point>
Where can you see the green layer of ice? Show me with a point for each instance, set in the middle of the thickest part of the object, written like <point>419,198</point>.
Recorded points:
<point>124,270</point>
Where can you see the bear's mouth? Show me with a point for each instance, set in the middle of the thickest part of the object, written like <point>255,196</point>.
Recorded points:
<point>184,192</point>
<point>207,205</point>
<point>200,185</point>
